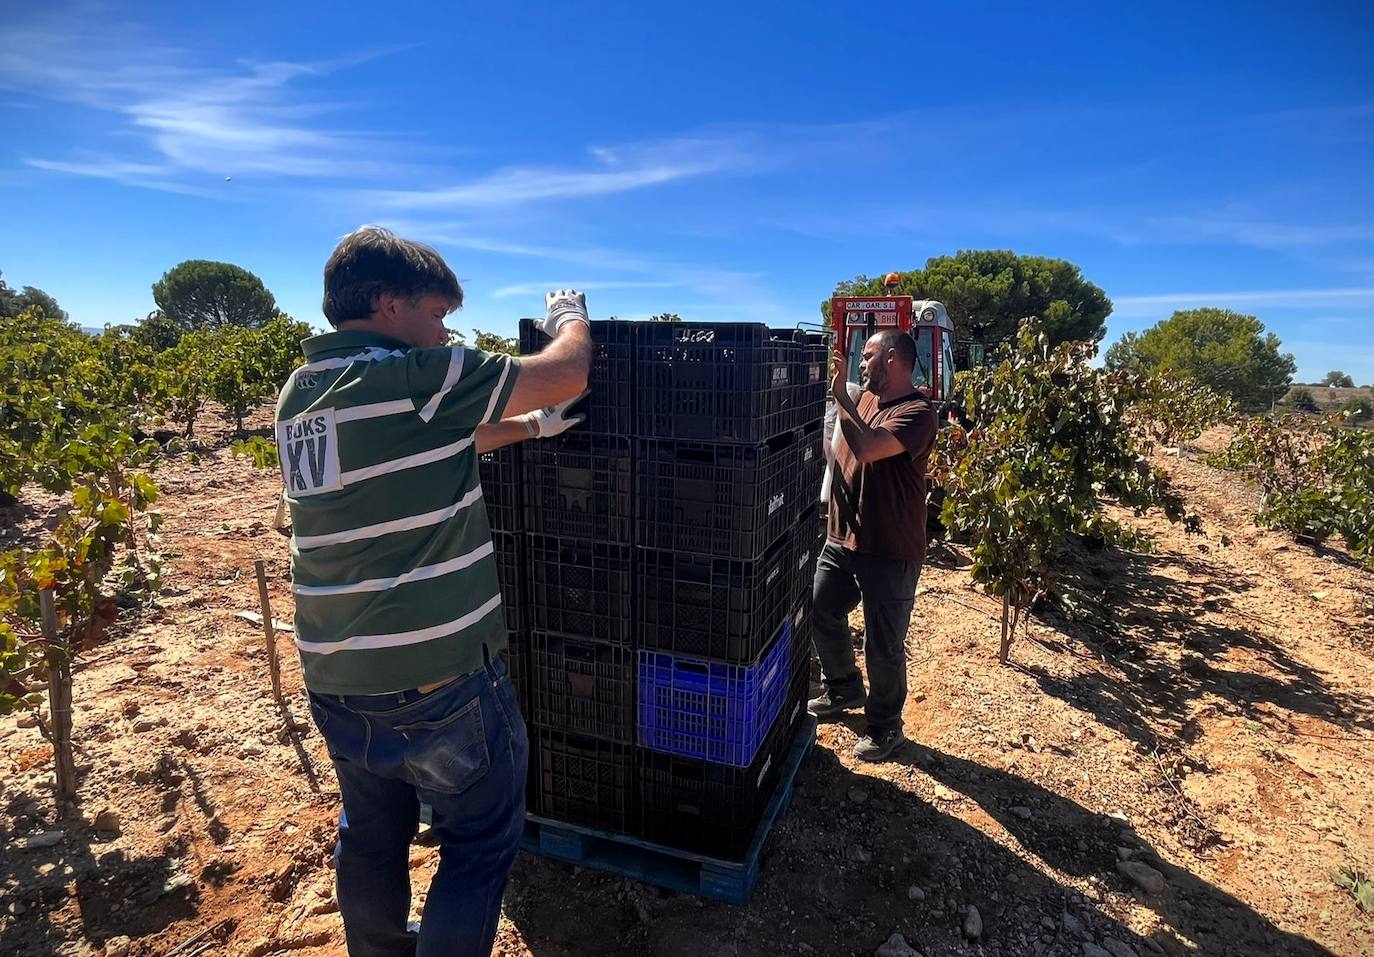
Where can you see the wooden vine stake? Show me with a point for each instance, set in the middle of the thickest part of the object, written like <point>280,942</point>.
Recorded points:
<point>59,703</point>
<point>268,632</point>
<point>279,522</point>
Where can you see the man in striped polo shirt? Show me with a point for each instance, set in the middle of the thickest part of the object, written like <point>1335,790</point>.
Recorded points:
<point>398,611</point>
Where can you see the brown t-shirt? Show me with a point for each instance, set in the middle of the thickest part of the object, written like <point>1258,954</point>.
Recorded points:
<point>880,508</point>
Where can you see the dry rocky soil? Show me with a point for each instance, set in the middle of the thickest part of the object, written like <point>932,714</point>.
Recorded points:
<point>1179,768</point>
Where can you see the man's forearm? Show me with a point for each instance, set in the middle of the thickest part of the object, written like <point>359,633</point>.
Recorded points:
<point>855,429</point>
<point>495,435</point>
<point>572,345</point>
<point>867,443</point>
<point>857,434</point>
<point>556,373</point>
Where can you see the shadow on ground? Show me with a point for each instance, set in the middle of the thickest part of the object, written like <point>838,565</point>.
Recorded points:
<point>816,897</point>
<point>1158,621</point>
<point>115,893</point>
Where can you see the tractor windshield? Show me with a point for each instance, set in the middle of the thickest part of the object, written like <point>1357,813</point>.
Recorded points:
<point>857,338</point>
<point>946,365</point>
<point>924,373</point>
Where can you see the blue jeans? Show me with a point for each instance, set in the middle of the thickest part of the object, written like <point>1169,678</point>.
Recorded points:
<point>461,749</point>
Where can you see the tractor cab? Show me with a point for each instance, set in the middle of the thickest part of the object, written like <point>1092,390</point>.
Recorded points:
<point>855,318</point>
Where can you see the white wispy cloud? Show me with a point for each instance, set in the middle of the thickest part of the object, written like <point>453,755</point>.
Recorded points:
<point>989,218</point>
<point>1257,233</point>
<point>739,291</point>
<point>189,120</point>
<point>147,175</point>
<point>609,170</point>
<point>536,288</point>
<point>1296,297</point>
<point>468,236</point>
<point>1147,308</point>
<point>727,149</point>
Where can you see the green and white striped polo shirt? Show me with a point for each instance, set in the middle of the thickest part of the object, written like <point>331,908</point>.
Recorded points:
<point>391,556</point>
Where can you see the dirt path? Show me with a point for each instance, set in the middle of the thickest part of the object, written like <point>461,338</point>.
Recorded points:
<point>1207,712</point>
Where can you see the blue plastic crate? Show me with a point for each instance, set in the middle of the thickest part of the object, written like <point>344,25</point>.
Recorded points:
<point>709,710</point>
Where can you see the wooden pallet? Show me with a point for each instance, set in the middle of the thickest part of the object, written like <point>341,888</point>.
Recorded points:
<point>714,879</point>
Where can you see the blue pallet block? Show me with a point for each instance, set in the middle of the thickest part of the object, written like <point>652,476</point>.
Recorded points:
<point>711,710</point>
<point>719,880</point>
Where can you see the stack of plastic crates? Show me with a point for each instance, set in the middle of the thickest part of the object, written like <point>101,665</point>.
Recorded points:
<point>669,544</point>
<point>728,439</point>
<point>579,519</point>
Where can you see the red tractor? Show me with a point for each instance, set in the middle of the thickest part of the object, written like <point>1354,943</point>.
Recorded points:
<point>854,318</point>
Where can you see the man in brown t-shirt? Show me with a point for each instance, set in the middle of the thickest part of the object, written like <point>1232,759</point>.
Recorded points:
<point>875,539</point>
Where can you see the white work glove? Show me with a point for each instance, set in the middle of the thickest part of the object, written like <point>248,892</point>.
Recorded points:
<point>546,423</point>
<point>562,307</point>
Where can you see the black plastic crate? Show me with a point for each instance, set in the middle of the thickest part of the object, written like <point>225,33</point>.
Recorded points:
<point>719,382</point>
<point>508,548</point>
<point>715,499</point>
<point>500,474</point>
<point>581,588</point>
<point>583,686</point>
<point>583,780</point>
<point>724,609</point>
<point>517,657</point>
<point>806,552</point>
<point>580,485</point>
<point>804,660</point>
<point>800,617</point>
<point>813,381</point>
<point>811,456</point>
<point>610,406</point>
<point>708,808</point>
<point>806,674</point>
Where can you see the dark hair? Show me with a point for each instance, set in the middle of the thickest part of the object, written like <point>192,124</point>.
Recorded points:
<point>901,341</point>
<point>370,261</point>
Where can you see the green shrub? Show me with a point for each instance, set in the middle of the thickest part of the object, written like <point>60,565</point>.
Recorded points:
<point>262,451</point>
<point>1358,409</point>
<point>1053,440</point>
<point>1303,400</point>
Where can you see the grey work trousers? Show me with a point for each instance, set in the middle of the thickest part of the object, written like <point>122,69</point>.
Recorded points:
<point>887,588</point>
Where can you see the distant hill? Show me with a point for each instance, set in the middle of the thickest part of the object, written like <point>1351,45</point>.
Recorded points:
<point>1329,399</point>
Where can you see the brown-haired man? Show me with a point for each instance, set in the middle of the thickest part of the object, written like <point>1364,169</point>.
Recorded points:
<point>398,610</point>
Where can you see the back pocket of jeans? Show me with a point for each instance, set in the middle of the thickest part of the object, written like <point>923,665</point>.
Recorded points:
<point>448,755</point>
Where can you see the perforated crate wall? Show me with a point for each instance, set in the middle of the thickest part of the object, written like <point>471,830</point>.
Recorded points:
<point>712,498</point>
<point>580,485</point>
<point>583,686</point>
<point>583,780</point>
<point>609,407</point>
<point>500,474</point>
<point>719,382</point>
<point>724,609</point>
<point>581,588</point>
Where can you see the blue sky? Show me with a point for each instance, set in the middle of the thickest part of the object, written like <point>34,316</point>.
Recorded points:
<point>722,161</point>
